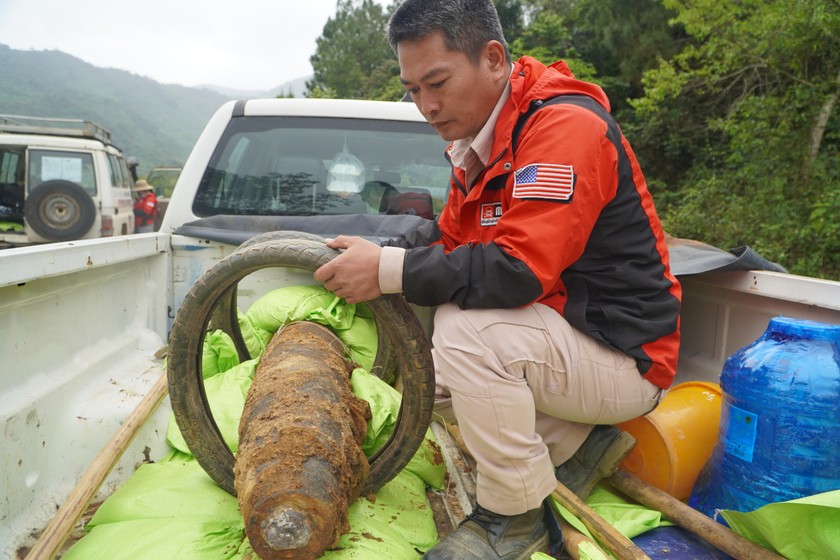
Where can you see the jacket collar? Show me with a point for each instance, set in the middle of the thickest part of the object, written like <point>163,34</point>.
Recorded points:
<point>531,80</point>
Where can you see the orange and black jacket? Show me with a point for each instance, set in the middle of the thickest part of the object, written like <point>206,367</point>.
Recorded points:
<point>564,219</point>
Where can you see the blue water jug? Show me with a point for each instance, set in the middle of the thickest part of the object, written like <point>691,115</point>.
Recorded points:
<point>779,436</point>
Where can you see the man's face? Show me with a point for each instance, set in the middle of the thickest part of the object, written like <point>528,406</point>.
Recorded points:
<point>455,95</point>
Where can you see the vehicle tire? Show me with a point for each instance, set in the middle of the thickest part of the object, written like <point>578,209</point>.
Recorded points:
<point>59,210</point>
<point>280,235</point>
<point>393,316</point>
<point>225,317</point>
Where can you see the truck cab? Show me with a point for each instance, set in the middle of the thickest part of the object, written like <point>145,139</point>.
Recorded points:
<point>61,180</point>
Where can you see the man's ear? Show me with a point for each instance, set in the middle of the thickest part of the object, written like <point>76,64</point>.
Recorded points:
<point>494,55</point>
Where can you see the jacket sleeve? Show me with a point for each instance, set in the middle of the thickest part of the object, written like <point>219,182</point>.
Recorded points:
<point>470,276</point>
<point>423,235</point>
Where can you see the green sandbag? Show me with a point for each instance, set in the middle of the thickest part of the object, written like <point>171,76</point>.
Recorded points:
<point>353,324</point>
<point>286,305</point>
<point>170,509</point>
<point>629,518</point>
<point>384,402</point>
<point>10,226</point>
<point>253,343</point>
<point>226,394</point>
<point>218,353</point>
<point>801,529</point>
<point>175,504</point>
<point>176,487</point>
<point>400,504</point>
<point>156,539</point>
<point>359,337</point>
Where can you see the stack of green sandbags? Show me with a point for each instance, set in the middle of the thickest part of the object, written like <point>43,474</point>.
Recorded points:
<point>172,509</point>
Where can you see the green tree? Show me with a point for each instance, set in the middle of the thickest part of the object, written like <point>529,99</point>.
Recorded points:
<point>548,39</point>
<point>740,134</point>
<point>352,59</point>
<point>622,39</point>
<point>610,42</point>
<point>511,16</point>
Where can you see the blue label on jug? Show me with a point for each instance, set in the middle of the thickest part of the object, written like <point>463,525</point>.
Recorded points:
<point>740,436</point>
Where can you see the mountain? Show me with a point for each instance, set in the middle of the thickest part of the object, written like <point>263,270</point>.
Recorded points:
<point>157,123</point>
<point>297,88</point>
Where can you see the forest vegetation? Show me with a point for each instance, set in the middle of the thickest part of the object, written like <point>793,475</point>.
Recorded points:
<point>732,107</point>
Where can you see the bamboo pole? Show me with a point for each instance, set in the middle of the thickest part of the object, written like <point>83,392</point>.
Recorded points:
<point>607,535</point>
<point>573,540</point>
<point>690,519</point>
<point>72,509</point>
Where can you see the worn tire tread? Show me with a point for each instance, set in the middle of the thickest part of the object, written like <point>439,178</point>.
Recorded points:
<point>394,318</point>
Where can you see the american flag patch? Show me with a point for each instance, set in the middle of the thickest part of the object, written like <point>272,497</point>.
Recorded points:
<point>549,181</point>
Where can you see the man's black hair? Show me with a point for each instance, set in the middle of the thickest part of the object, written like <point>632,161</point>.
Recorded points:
<point>466,25</point>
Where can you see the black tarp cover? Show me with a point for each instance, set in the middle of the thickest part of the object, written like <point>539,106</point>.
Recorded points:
<point>687,256</point>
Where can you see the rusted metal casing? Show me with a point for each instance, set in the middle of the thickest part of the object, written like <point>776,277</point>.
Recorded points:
<point>300,463</point>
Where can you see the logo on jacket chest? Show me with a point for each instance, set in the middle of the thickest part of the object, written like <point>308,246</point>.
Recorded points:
<point>490,213</point>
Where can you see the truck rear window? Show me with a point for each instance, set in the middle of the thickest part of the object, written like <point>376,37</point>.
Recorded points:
<point>293,166</point>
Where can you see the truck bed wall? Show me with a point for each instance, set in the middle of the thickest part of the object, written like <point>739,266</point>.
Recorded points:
<point>724,312</point>
<point>80,324</point>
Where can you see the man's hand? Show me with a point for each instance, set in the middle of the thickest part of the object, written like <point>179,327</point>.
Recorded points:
<point>354,274</point>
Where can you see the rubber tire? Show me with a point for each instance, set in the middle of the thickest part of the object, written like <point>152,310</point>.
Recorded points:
<point>385,361</point>
<point>393,315</point>
<point>225,315</point>
<point>46,204</point>
<point>280,235</point>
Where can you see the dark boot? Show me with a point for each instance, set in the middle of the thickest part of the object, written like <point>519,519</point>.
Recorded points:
<point>597,458</point>
<point>485,535</point>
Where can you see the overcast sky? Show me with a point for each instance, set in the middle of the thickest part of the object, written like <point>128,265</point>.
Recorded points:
<point>241,44</point>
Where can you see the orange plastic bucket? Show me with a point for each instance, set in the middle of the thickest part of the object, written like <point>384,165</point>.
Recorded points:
<point>674,441</point>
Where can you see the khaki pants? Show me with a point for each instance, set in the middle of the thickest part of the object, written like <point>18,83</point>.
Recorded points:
<point>526,388</point>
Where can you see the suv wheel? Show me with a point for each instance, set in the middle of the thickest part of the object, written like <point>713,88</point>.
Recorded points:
<point>60,210</point>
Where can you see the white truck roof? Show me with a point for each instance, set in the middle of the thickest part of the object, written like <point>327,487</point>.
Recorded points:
<point>340,108</point>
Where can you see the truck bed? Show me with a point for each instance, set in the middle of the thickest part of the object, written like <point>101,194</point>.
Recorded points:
<point>81,324</point>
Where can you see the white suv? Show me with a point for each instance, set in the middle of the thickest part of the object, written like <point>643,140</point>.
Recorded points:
<point>61,180</point>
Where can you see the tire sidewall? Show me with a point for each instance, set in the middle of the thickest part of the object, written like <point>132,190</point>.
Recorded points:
<point>47,204</point>
<point>186,387</point>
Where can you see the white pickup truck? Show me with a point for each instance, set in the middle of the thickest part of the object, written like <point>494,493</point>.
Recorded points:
<point>83,323</point>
